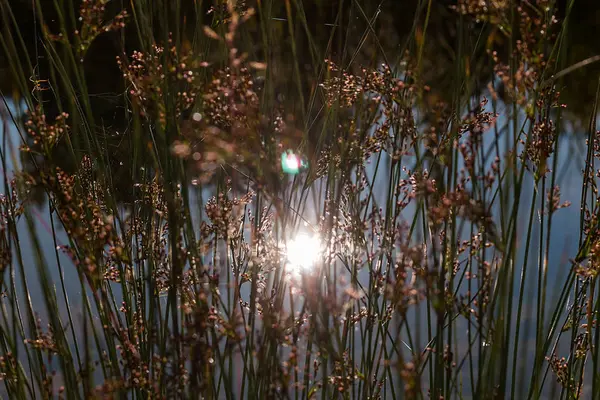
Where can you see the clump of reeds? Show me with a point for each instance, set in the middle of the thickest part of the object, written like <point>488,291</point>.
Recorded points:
<point>184,286</point>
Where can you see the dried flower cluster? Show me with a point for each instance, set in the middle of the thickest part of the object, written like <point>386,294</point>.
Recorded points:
<point>493,11</point>
<point>230,101</point>
<point>44,340</point>
<point>83,213</point>
<point>553,200</point>
<point>385,102</point>
<point>348,89</point>
<point>223,10</point>
<point>560,367</point>
<point>540,146</point>
<point>164,71</point>
<point>12,207</point>
<point>226,216</point>
<point>92,22</point>
<point>530,57</point>
<point>45,135</point>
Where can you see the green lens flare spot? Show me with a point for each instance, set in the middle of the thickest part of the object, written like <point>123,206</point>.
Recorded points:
<point>292,163</point>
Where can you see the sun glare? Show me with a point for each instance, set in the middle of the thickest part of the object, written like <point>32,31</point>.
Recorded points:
<point>303,251</point>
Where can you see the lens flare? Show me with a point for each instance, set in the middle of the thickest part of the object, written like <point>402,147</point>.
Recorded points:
<point>292,163</point>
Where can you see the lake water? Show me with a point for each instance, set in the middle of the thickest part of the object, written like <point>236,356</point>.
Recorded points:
<point>563,244</point>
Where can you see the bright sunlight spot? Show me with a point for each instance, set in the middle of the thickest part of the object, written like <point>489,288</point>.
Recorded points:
<point>303,251</point>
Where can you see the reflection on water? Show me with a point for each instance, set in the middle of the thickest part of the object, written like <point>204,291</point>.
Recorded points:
<point>303,251</point>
